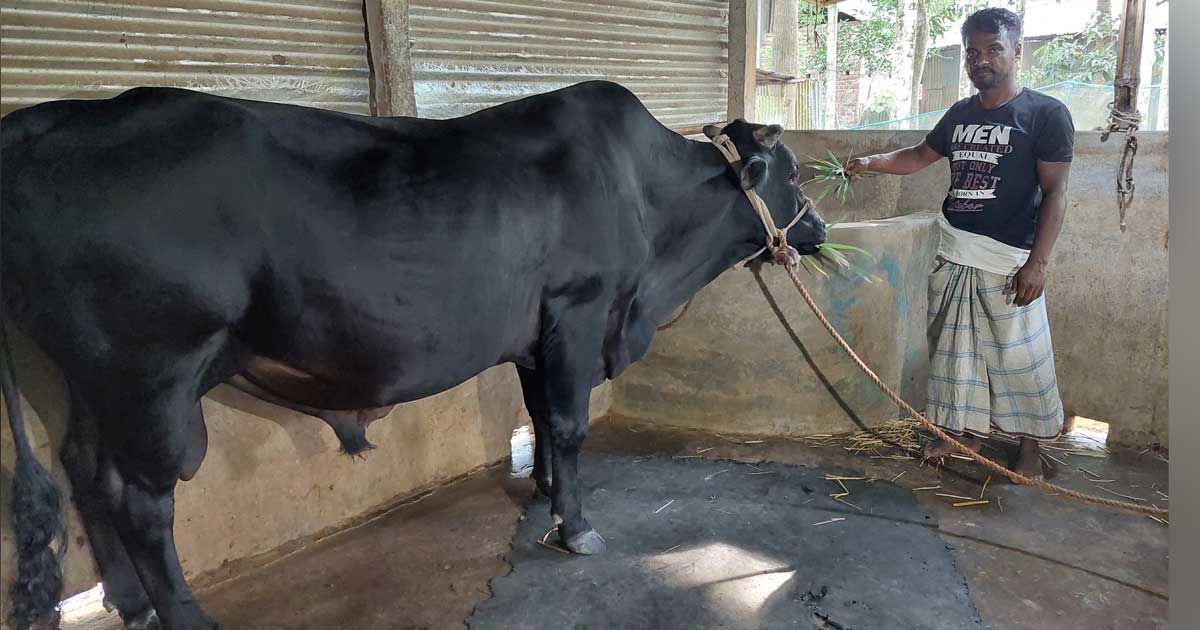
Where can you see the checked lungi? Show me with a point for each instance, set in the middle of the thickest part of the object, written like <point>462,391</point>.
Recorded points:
<point>992,364</point>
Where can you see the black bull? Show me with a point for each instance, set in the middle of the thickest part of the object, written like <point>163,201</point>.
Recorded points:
<point>163,242</point>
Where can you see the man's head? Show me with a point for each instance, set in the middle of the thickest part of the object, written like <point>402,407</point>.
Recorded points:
<point>992,41</point>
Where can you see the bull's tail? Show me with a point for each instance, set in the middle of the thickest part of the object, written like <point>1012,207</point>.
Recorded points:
<point>36,515</point>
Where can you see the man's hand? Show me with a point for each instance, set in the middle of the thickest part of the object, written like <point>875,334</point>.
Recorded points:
<point>901,162</point>
<point>1028,284</point>
<point>855,168</point>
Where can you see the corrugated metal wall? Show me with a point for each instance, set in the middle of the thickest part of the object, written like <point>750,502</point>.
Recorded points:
<point>309,52</point>
<point>471,54</point>
<point>771,104</point>
<point>939,82</point>
<point>467,54</point>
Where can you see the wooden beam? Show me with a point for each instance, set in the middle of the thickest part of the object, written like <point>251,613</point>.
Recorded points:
<point>1129,51</point>
<point>831,67</point>
<point>392,92</point>
<point>743,57</point>
<point>1165,83</point>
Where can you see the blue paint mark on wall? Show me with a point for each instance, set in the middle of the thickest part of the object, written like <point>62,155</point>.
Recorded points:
<point>842,293</point>
<point>895,279</point>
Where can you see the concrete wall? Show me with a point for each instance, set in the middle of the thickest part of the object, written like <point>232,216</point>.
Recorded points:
<point>728,366</point>
<point>273,476</point>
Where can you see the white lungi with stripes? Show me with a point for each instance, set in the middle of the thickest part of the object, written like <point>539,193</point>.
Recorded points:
<point>992,363</point>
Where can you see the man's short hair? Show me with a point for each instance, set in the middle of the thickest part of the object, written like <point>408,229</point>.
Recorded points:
<point>993,20</point>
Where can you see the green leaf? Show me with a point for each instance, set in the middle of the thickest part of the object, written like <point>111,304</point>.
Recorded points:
<point>843,247</point>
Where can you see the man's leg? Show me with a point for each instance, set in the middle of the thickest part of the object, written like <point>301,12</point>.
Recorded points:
<point>1029,459</point>
<point>941,448</point>
<point>1025,401</point>
<point>957,395</point>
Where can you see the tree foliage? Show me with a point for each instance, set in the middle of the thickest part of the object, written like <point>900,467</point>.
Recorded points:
<point>1089,56</point>
<point>870,40</point>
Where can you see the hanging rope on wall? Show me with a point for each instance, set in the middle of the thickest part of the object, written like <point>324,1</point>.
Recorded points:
<point>1127,123</point>
<point>1123,115</point>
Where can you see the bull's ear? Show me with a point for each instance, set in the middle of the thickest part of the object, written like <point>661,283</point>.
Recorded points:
<point>754,172</point>
<point>712,131</point>
<point>769,135</point>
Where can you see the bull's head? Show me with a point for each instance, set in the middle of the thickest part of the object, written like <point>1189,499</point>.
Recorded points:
<point>770,169</point>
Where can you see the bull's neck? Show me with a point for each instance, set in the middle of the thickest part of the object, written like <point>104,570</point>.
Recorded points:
<point>699,222</point>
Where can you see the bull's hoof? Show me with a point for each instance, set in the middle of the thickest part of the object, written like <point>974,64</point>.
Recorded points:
<point>588,543</point>
<point>145,620</point>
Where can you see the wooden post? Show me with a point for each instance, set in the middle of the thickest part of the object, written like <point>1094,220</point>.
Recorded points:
<point>831,74</point>
<point>1165,90</point>
<point>391,63</point>
<point>1129,50</point>
<point>785,51</point>
<point>743,57</point>
<point>1146,65</point>
<point>920,49</point>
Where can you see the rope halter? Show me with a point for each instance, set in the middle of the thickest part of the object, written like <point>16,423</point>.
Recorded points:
<point>781,252</point>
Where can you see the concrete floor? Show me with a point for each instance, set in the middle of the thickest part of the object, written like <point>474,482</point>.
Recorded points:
<point>1029,560</point>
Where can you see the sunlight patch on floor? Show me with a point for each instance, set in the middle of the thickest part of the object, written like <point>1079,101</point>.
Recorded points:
<point>737,579</point>
<point>521,444</point>
<point>85,609</point>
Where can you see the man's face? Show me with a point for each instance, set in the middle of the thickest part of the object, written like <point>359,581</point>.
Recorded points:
<point>991,58</point>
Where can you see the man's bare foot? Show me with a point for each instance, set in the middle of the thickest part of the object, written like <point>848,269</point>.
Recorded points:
<point>1029,460</point>
<point>942,448</point>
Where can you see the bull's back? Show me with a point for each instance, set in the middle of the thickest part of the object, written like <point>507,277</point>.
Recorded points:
<point>118,219</point>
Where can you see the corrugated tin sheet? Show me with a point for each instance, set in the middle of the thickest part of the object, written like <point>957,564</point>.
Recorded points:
<point>309,52</point>
<point>939,81</point>
<point>799,105</point>
<point>471,54</point>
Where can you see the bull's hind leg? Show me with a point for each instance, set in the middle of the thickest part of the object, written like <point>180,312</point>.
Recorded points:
<point>81,457</point>
<point>147,434</point>
<point>533,390</point>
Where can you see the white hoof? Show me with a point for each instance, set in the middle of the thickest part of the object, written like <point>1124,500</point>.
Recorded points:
<point>588,543</point>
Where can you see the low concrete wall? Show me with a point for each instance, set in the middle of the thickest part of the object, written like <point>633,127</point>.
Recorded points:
<point>273,476</point>
<point>1107,292</point>
<point>729,367</point>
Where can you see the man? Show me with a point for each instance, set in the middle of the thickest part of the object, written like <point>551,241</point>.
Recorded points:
<point>1010,150</point>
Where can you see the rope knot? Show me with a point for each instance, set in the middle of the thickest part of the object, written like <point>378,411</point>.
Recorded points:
<point>786,256</point>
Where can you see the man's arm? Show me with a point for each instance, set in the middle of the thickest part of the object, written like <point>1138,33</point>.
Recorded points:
<point>1029,282</point>
<point>901,162</point>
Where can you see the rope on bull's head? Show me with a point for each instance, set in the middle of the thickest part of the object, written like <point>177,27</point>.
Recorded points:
<point>776,242</point>
<point>1127,123</point>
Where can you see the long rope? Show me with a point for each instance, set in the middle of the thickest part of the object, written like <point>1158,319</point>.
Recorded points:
<point>959,446</point>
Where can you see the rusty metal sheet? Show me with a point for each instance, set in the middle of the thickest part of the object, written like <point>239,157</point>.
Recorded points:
<point>307,52</point>
<point>470,54</point>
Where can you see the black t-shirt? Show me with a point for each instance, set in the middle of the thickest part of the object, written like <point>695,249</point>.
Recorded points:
<point>993,155</point>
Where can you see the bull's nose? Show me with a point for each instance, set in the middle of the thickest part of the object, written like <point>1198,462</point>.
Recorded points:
<point>820,232</point>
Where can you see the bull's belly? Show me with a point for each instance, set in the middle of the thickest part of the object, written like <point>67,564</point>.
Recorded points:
<point>385,371</point>
<point>301,388</point>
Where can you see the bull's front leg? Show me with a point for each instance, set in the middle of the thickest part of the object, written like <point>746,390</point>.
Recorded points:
<point>569,359</point>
